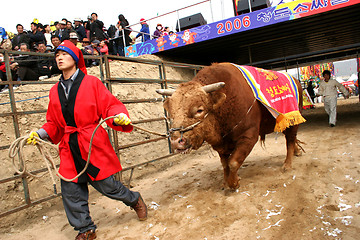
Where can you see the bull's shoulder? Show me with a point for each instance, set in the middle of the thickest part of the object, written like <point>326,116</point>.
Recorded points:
<point>218,72</point>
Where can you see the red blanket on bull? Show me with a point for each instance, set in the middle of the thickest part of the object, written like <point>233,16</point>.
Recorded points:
<point>278,92</point>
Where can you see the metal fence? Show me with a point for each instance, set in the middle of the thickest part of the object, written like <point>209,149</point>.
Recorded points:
<point>112,80</point>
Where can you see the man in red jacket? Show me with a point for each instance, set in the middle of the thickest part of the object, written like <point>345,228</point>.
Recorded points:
<point>77,103</point>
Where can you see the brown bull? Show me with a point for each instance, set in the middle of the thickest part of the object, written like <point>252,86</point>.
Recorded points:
<point>227,116</point>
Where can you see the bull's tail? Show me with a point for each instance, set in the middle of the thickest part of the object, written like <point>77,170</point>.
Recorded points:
<point>297,142</point>
<point>262,141</point>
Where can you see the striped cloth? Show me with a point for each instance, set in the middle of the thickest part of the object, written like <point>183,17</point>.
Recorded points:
<point>278,92</point>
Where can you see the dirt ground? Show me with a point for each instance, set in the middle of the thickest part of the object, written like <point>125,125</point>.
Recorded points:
<point>318,199</point>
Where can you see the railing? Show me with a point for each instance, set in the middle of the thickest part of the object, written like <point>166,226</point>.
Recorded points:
<point>10,109</point>
<point>162,15</point>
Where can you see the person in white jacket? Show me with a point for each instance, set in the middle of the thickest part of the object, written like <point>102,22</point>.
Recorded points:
<point>328,90</point>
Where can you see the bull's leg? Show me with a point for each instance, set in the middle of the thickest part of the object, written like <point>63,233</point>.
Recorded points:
<point>290,136</point>
<point>224,161</point>
<point>242,150</point>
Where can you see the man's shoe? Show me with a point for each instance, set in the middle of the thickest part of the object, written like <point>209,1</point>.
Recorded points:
<point>332,125</point>
<point>88,235</point>
<point>140,209</point>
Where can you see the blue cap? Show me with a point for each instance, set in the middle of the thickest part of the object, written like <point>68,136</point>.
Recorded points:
<point>69,51</point>
<point>3,34</point>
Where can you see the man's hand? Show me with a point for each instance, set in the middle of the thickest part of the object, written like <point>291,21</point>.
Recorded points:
<point>31,139</point>
<point>14,66</point>
<point>122,119</point>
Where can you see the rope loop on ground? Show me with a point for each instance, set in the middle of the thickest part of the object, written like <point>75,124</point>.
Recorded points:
<point>16,148</point>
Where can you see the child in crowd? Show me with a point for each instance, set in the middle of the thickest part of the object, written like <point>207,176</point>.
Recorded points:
<point>104,50</point>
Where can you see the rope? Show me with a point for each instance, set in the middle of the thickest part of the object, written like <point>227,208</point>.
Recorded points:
<point>148,131</point>
<point>188,128</point>
<point>17,148</point>
<point>24,100</point>
<point>241,119</point>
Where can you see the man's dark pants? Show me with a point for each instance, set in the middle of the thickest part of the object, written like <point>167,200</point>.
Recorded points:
<point>75,199</point>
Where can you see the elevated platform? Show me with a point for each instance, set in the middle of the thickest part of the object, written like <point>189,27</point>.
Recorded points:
<point>292,34</point>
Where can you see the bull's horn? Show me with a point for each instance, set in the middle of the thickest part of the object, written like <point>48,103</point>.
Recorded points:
<point>213,87</point>
<point>166,92</point>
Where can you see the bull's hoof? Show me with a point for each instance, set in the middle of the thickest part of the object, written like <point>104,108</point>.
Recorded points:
<point>234,185</point>
<point>286,167</point>
<point>223,187</point>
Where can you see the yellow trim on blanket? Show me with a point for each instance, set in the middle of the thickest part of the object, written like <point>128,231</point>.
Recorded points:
<point>289,119</point>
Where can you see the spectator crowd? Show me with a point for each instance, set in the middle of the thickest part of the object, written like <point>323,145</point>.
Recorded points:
<point>90,36</point>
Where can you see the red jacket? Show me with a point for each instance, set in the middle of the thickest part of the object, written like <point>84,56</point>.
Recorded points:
<point>2,67</point>
<point>72,121</point>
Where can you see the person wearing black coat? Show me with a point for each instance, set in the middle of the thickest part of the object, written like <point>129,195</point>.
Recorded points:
<point>79,28</point>
<point>111,43</point>
<point>35,36</point>
<point>19,38</point>
<point>43,63</point>
<point>63,33</point>
<point>96,28</point>
<point>122,26</point>
<point>28,68</point>
<point>310,90</point>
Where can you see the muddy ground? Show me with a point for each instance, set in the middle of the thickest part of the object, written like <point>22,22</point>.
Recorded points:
<point>318,199</point>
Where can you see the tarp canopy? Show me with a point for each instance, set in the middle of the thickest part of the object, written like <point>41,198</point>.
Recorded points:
<point>353,78</point>
<point>323,37</point>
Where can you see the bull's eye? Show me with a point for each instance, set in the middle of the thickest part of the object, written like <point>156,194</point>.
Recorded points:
<point>198,112</point>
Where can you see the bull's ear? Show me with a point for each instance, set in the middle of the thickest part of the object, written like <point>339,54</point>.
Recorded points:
<point>218,99</point>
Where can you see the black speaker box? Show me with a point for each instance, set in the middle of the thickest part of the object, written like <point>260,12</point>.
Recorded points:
<point>190,22</point>
<point>243,5</point>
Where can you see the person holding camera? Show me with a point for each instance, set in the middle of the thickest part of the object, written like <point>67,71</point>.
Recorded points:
<point>96,28</point>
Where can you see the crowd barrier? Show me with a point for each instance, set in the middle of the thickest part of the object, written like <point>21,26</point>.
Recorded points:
<point>10,109</point>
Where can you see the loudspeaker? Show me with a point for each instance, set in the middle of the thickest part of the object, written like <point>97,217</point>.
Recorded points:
<point>243,5</point>
<point>190,22</point>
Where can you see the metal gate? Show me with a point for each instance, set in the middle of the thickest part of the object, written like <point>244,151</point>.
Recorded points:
<point>17,111</point>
